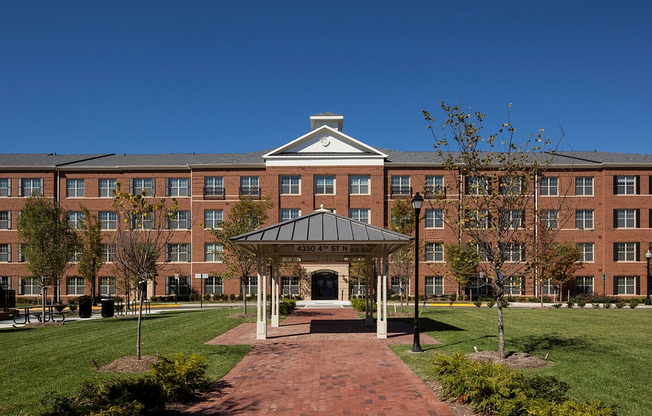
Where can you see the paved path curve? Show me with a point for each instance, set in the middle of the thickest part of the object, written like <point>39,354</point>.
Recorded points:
<point>321,362</point>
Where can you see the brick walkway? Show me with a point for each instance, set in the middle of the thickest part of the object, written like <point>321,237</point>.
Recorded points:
<point>321,362</point>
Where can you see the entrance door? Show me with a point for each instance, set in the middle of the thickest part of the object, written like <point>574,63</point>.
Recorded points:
<point>324,286</point>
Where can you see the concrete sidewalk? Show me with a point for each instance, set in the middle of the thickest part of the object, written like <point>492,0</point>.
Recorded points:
<point>321,362</point>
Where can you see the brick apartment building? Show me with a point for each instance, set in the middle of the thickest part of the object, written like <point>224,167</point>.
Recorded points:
<point>610,198</point>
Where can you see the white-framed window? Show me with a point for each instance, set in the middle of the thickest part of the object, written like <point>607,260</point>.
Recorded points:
<point>29,286</point>
<point>325,185</point>
<point>178,252</point>
<point>434,218</point>
<point>290,185</point>
<point>5,187</point>
<point>212,218</point>
<point>550,219</point>
<point>5,220</point>
<point>178,187</point>
<point>476,185</point>
<point>512,218</point>
<point>625,218</point>
<point>213,252</point>
<point>180,221</point>
<point>584,219</point>
<point>214,285</point>
<point>75,285</point>
<point>434,185</point>
<point>75,220</point>
<point>30,187</point>
<point>288,214</point>
<point>5,253</point>
<point>549,187</point>
<point>548,287</point>
<point>5,282</point>
<point>249,186</point>
<point>177,285</point>
<point>108,253</point>
<point>76,255</point>
<point>289,285</point>
<point>434,252</point>
<point>626,285</point>
<point>510,185</point>
<point>21,257</point>
<point>75,188</point>
<point>584,285</point>
<point>397,285</point>
<point>482,253</point>
<point>357,287</point>
<point>359,184</point>
<point>514,285</point>
<point>625,251</point>
<point>511,252</point>
<point>434,285</point>
<point>252,286</point>
<point>107,186</point>
<point>477,218</point>
<point>108,286</point>
<point>214,186</point>
<point>584,186</point>
<point>143,186</point>
<point>108,220</point>
<point>587,251</point>
<point>359,214</point>
<point>625,185</point>
<point>142,221</point>
<point>400,185</point>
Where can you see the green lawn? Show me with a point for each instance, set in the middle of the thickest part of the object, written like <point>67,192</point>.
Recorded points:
<point>603,354</point>
<point>35,361</point>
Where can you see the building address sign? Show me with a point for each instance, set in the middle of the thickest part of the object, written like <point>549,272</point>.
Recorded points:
<point>321,248</point>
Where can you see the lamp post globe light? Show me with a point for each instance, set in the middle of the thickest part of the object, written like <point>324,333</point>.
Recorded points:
<point>648,255</point>
<point>417,202</point>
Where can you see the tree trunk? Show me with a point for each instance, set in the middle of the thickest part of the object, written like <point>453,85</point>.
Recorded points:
<point>244,295</point>
<point>140,318</point>
<point>44,299</point>
<point>541,291</point>
<point>501,328</point>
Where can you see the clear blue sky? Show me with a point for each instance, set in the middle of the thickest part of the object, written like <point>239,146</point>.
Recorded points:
<point>238,76</point>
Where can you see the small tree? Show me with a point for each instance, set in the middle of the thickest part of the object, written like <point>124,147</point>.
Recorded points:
<point>401,265</point>
<point>245,216</point>
<point>463,261</point>
<point>90,257</point>
<point>47,242</point>
<point>558,263</point>
<point>141,240</point>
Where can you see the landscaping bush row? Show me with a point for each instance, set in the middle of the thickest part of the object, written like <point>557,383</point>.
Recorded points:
<point>496,390</point>
<point>195,297</point>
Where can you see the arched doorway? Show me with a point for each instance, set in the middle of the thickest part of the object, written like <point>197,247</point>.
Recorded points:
<point>324,285</point>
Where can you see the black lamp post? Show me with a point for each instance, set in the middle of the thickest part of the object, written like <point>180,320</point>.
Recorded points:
<point>417,201</point>
<point>648,255</point>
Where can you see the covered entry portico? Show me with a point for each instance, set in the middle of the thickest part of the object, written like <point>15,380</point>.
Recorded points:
<point>321,236</point>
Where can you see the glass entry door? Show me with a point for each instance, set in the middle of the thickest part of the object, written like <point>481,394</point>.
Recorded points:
<point>324,286</point>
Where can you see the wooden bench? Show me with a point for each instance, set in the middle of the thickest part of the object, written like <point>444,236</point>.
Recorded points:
<point>438,298</point>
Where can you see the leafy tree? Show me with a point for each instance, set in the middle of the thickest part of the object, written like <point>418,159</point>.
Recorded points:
<point>463,260</point>
<point>558,262</point>
<point>490,196</point>
<point>245,216</point>
<point>141,240</point>
<point>90,257</point>
<point>401,265</point>
<point>47,242</point>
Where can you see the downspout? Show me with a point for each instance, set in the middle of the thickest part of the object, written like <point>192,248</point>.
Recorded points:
<point>57,199</point>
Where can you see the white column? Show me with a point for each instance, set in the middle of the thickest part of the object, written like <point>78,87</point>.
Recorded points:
<point>369,309</point>
<point>276,275</point>
<point>381,325</point>
<point>261,324</point>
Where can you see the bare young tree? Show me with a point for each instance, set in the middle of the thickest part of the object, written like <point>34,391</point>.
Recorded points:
<point>89,258</point>
<point>495,206</point>
<point>401,263</point>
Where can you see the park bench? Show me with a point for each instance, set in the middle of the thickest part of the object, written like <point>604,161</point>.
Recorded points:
<point>438,298</point>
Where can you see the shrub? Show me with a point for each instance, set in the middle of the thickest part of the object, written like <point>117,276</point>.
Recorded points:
<point>606,305</point>
<point>581,302</point>
<point>194,297</point>
<point>180,377</point>
<point>232,297</point>
<point>154,299</point>
<point>207,296</point>
<point>556,305</point>
<point>620,304</point>
<point>491,303</point>
<point>504,302</point>
<point>287,306</point>
<point>570,304</point>
<point>596,305</point>
<point>118,298</point>
<point>633,302</point>
<point>477,303</point>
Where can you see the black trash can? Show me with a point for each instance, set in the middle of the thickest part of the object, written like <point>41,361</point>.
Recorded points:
<point>107,308</point>
<point>85,306</point>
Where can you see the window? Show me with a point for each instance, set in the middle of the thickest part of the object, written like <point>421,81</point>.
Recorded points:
<point>5,187</point>
<point>252,286</point>
<point>550,219</point>
<point>587,251</point>
<point>178,252</point>
<point>213,252</point>
<point>214,187</point>
<point>177,187</point>
<point>146,187</point>
<point>108,220</point>
<point>548,287</point>
<point>434,285</point>
<point>75,255</point>
<point>108,286</point>
<point>5,282</point>
<point>361,215</point>
<point>514,286</point>
<point>108,253</point>
<point>75,188</point>
<point>476,185</point>
<point>75,220</point>
<point>290,214</point>
<point>400,186</point>
<point>212,218</point>
<point>584,186</point>
<point>584,285</point>
<point>29,286</point>
<point>5,220</point>
<point>511,252</point>
<point>180,221</point>
<point>143,221</point>
<point>30,187</point>
<point>549,187</point>
<point>434,252</point>
<point>397,285</point>
<point>625,185</point>
<point>75,285</point>
<point>434,185</point>
<point>214,285</point>
<point>5,253</point>
<point>434,218</point>
<point>289,285</point>
<point>482,253</point>
<point>177,285</point>
<point>249,186</point>
<point>357,287</point>
<point>359,185</point>
<point>21,257</point>
<point>477,218</point>
<point>510,185</point>
<point>625,285</point>
<point>291,185</point>
<point>325,185</point>
<point>625,218</point>
<point>584,219</point>
<point>511,218</point>
<point>625,252</point>
<point>107,186</point>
